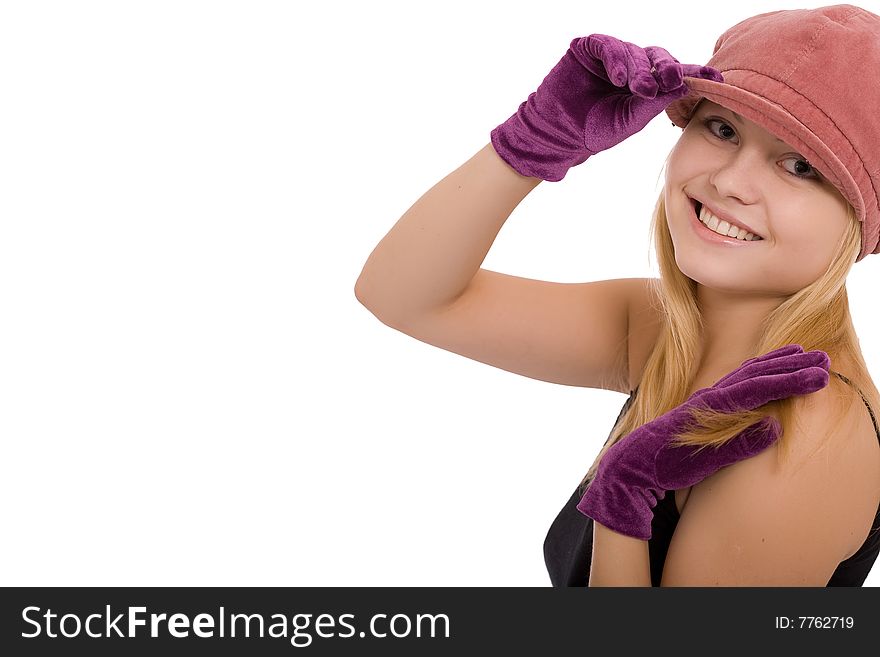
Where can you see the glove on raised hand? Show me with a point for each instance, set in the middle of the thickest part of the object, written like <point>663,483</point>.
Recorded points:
<point>636,471</point>
<point>602,91</point>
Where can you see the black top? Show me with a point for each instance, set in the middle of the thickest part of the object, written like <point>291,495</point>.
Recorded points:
<point>568,548</point>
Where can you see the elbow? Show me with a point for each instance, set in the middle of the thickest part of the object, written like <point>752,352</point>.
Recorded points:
<point>360,293</point>
<point>362,299</point>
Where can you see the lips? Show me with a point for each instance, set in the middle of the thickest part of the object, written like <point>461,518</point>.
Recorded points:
<point>711,237</point>
<point>723,216</point>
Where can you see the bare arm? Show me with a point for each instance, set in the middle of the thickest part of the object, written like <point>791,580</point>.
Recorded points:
<point>430,255</point>
<point>618,560</point>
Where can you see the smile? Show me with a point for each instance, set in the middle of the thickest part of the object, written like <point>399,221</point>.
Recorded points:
<point>710,235</point>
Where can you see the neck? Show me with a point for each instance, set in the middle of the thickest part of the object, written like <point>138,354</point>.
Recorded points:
<point>732,329</point>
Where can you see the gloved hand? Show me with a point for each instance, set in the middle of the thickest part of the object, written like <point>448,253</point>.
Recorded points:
<point>601,92</point>
<point>636,471</point>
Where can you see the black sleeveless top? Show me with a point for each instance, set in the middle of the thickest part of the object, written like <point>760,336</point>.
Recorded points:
<point>568,547</point>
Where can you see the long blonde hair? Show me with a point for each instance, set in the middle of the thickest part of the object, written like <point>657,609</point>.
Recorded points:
<point>816,317</point>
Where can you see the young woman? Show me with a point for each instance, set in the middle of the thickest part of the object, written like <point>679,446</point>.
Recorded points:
<point>743,343</point>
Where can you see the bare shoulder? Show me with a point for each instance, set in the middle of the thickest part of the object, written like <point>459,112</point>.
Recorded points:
<point>832,471</point>
<point>742,524</point>
<point>644,326</point>
<point>851,450</point>
<point>838,455</point>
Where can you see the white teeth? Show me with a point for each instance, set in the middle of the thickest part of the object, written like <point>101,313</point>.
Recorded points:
<point>723,228</point>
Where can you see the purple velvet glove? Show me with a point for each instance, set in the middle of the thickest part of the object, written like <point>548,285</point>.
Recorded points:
<point>636,472</point>
<point>601,92</point>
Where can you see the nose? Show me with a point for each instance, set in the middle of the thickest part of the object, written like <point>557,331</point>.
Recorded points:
<point>737,173</point>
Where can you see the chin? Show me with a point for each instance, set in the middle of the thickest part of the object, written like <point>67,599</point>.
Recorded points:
<point>715,273</point>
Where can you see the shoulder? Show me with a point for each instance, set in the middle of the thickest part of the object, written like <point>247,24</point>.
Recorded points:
<point>742,525</point>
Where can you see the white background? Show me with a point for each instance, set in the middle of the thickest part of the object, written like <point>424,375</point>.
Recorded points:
<point>191,393</point>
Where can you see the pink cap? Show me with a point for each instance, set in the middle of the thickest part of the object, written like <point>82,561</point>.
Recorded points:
<point>812,78</point>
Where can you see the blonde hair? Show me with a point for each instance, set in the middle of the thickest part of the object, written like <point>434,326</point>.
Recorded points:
<point>816,317</point>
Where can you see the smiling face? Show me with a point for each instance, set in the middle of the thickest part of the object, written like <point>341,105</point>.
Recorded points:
<point>737,167</point>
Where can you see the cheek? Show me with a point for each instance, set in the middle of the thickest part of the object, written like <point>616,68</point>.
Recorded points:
<point>690,162</point>
<point>807,245</point>
<point>679,157</point>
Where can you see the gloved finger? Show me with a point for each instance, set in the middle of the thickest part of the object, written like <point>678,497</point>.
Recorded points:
<point>667,69</point>
<point>611,53</point>
<point>640,80</point>
<point>698,71</point>
<point>754,392</point>
<point>788,363</point>
<point>637,111</point>
<point>791,363</point>
<point>776,353</point>
<point>792,359</point>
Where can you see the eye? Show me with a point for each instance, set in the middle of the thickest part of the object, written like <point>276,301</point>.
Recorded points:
<point>807,170</point>
<point>708,122</point>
